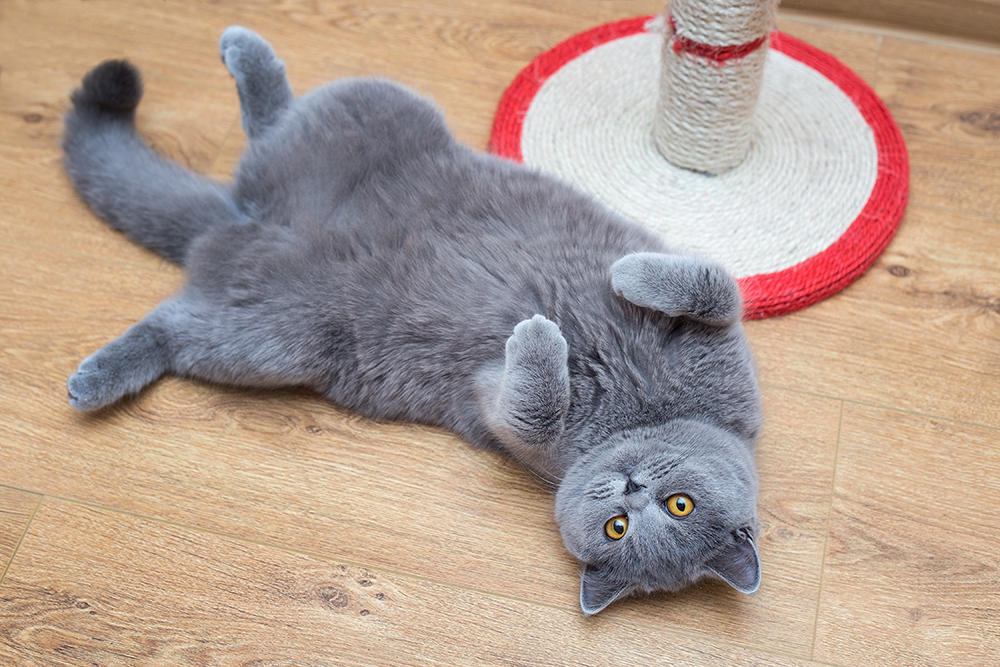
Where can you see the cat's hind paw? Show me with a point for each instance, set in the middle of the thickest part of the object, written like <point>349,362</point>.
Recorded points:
<point>123,367</point>
<point>260,78</point>
<point>91,387</point>
<point>243,50</point>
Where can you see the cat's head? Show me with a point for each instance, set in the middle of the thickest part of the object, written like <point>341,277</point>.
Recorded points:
<point>658,508</point>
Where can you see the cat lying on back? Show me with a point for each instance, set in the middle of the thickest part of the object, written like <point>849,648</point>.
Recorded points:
<point>366,254</point>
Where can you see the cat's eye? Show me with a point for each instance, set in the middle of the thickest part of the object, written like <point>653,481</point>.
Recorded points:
<point>616,527</point>
<point>679,505</point>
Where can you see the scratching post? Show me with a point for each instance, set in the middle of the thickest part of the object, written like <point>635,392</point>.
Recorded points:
<point>725,138</point>
<point>714,53</point>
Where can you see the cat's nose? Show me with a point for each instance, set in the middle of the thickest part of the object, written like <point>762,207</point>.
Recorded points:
<point>630,485</point>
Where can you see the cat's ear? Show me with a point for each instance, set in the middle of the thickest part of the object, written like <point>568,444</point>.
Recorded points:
<point>597,590</point>
<point>738,565</point>
<point>678,285</point>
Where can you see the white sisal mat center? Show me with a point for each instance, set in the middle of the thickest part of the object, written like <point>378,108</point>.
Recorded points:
<point>810,170</point>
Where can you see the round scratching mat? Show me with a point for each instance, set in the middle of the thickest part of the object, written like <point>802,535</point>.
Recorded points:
<point>817,197</point>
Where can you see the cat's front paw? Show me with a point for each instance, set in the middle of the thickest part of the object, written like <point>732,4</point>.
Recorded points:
<point>529,409</point>
<point>678,285</point>
<point>536,341</point>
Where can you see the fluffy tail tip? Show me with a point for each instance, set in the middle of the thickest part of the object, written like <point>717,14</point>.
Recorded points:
<point>114,85</point>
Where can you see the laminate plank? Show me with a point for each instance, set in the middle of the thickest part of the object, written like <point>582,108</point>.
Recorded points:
<point>57,308</point>
<point>918,332</point>
<point>460,53</point>
<point>184,120</point>
<point>95,587</point>
<point>978,19</point>
<point>63,39</point>
<point>288,468</point>
<point>912,572</point>
<point>947,103</point>
<point>857,50</point>
<point>40,208</point>
<point>16,508</point>
<point>461,543</point>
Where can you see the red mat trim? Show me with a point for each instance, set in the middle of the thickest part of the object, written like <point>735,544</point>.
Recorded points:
<point>814,279</point>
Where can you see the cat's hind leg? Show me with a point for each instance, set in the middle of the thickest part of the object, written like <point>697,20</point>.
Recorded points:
<point>128,364</point>
<point>526,405</point>
<point>153,200</point>
<point>260,78</point>
<point>233,334</point>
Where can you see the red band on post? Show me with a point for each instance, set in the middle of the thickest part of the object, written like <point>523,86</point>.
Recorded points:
<point>719,54</point>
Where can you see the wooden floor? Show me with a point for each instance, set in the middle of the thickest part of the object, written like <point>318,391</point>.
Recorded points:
<point>208,526</point>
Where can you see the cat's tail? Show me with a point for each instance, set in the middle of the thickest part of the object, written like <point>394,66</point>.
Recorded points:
<point>153,200</point>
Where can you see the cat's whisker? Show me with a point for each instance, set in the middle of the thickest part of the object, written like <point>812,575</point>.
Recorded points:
<point>601,491</point>
<point>661,469</point>
<point>549,484</point>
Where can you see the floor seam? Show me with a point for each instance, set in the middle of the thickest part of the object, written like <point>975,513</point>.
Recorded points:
<point>877,406</point>
<point>887,30</point>
<point>20,540</point>
<point>826,535</point>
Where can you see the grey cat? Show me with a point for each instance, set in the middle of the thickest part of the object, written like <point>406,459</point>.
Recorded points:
<point>363,252</point>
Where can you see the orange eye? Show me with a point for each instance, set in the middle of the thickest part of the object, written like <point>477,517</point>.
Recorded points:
<point>680,505</point>
<point>616,527</point>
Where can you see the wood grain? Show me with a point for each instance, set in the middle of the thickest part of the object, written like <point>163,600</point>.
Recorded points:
<point>857,50</point>
<point>288,468</point>
<point>967,18</point>
<point>181,116</point>
<point>914,534</point>
<point>16,508</point>
<point>48,214</point>
<point>919,331</point>
<point>476,50</point>
<point>177,41</point>
<point>102,588</point>
<point>265,511</point>
<point>947,103</point>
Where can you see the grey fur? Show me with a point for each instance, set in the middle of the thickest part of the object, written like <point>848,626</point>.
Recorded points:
<point>678,285</point>
<point>260,79</point>
<point>366,254</point>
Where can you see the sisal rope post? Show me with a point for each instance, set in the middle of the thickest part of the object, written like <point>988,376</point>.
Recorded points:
<point>712,71</point>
